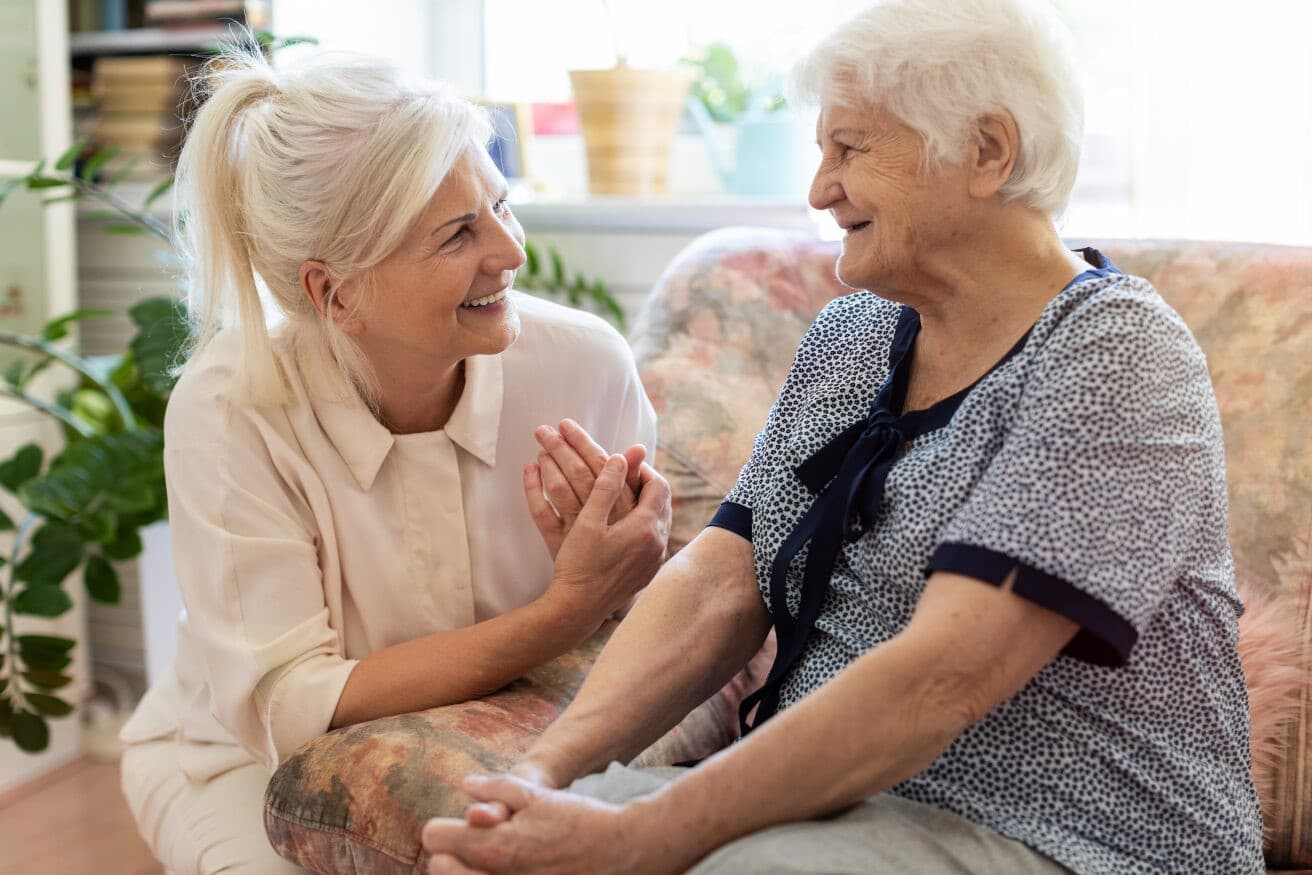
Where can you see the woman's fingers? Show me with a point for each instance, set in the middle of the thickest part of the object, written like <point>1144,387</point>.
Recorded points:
<point>582,443</point>
<point>559,491</point>
<point>549,525</point>
<point>577,470</point>
<point>605,491</point>
<point>487,814</point>
<point>635,456</point>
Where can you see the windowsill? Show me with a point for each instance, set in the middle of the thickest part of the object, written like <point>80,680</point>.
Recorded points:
<point>681,214</point>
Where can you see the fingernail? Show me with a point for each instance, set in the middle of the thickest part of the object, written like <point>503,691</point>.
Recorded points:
<point>615,463</point>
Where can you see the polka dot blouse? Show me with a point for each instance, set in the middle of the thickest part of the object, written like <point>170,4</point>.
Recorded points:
<point>1090,462</point>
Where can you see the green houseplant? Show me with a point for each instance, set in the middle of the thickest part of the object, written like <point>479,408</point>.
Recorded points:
<point>85,506</point>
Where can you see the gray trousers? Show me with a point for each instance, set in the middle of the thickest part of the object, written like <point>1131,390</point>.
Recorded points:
<point>885,835</point>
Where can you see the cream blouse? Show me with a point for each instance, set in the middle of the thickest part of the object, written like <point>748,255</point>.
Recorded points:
<point>308,536</point>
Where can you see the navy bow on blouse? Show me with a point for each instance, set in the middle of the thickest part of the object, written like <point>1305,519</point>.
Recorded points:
<point>847,476</point>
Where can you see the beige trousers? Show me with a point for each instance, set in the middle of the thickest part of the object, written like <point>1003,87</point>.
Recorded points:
<point>885,835</point>
<point>200,828</point>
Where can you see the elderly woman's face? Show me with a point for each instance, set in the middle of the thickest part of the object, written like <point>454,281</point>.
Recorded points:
<point>442,295</point>
<point>893,215</point>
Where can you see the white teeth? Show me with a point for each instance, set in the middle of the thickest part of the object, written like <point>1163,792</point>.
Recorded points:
<point>483,302</point>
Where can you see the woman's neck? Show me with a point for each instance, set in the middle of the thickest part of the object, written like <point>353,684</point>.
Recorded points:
<point>986,297</point>
<point>413,401</point>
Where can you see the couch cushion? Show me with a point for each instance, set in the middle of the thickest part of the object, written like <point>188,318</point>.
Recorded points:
<point>355,800</point>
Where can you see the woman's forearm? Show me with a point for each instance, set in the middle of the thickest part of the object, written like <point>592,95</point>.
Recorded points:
<point>445,668</point>
<point>698,623</point>
<point>882,720</point>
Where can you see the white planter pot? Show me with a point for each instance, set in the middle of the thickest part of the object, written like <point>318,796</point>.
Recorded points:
<point>161,601</point>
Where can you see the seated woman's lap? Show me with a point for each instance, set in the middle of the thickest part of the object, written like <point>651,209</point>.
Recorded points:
<point>886,835</point>
<point>200,828</point>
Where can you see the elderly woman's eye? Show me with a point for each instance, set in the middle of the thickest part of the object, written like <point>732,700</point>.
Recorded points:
<point>502,206</point>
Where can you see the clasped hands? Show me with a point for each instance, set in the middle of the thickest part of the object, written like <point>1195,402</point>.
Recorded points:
<point>605,519</point>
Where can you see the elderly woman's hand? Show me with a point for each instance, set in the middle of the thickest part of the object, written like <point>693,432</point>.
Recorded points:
<point>550,832</point>
<point>565,471</point>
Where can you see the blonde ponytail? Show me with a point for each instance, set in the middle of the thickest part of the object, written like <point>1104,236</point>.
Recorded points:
<point>333,160</point>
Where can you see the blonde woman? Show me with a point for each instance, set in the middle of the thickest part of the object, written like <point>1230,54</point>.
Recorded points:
<point>355,531</point>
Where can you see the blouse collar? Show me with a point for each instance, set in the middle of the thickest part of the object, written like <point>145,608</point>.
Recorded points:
<point>363,442</point>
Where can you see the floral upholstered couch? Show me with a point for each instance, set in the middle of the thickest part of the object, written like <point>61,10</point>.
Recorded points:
<point>714,343</point>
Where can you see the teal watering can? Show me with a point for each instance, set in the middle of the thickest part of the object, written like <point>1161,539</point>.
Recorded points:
<point>774,154</point>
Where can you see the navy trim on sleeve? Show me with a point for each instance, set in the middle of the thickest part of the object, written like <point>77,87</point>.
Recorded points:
<point>1105,637</point>
<point>736,518</point>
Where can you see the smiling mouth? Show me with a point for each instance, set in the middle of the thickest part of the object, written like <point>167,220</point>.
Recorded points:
<point>484,302</point>
<point>859,226</point>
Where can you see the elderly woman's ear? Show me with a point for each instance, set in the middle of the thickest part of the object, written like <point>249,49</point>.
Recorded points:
<point>996,145</point>
<point>331,298</point>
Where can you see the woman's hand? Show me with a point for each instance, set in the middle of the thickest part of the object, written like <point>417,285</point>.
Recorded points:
<point>566,469</point>
<point>550,832</point>
<point>601,565</point>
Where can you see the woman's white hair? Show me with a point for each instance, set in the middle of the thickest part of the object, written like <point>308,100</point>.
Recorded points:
<point>940,65</point>
<point>333,160</point>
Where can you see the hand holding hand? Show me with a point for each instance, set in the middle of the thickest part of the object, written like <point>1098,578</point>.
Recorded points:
<point>566,470</point>
<point>600,565</point>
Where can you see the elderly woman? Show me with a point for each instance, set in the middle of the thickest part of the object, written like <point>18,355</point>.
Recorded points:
<point>347,491</point>
<point>986,518</point>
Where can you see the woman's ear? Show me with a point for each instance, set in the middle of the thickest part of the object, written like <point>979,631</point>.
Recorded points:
<point>330,298</point>
<point>997,145</point>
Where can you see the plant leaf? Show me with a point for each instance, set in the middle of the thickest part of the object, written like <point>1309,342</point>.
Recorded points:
<point>557,266</point>
<point>93,164</point>
<point>533,262</point>
<point>7,187</point>
<point>41,182</point>
<point>6,524</point>
<point>25,464</point>
<point>42,601</point>
<point>123,229</point>
<point>14,374</point>
<point>163,332</point>
<point>57,329</point>
<point>158,191</point>
<point>57,549</point>
<point>55,644</point>
<point>30,732</point>
<point>49,680</point>
<point>66,160</point>
<point>49,706</point>
<point>101,580</point>
<point>126,546</point>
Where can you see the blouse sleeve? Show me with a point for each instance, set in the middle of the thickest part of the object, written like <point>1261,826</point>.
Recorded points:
<point>248,570</point>
<point>1110,480</point>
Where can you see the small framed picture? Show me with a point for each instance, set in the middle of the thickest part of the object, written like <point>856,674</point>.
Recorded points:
<point>512,126</point>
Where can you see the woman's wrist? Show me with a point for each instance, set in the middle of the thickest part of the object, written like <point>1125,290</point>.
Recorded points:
<point>570,616</point>
<point>664,832</point>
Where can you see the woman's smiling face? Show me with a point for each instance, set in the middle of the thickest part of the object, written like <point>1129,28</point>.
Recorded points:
<point>871,179</point>
<point>442,295</point>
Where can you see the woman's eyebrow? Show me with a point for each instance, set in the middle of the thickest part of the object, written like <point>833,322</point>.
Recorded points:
<point>467,217</point>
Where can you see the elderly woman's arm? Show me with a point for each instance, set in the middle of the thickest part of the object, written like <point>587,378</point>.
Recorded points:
<point>697,624</point>
<point>888,715</point>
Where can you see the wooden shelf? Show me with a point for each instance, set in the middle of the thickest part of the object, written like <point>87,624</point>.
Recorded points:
<point>145,40</point>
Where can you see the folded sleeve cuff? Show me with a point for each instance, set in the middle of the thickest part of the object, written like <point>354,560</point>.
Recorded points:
<point>1105,637</point>
<point>302,702</point>
<point>736,518</point>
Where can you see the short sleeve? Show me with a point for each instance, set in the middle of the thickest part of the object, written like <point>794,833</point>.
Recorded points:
<point>247,566</point>
<point>1109,481</point>
<point>760,477</point>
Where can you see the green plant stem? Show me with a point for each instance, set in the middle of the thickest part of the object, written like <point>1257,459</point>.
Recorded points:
<point>10,669</point>
<point>120,403</point>
<point>46,407</point>
<point>142,218</point>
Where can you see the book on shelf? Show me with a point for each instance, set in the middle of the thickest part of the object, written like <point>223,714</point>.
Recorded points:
<point>167,13</point>
<point>137,101</point>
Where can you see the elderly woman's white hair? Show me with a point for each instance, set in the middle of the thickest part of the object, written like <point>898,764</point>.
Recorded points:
<point>939,65</point>
<point>333,160</point>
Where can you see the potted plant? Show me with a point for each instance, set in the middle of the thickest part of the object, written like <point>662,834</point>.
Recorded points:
<point>771,151</point>
<point>628,117</point>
